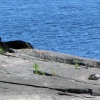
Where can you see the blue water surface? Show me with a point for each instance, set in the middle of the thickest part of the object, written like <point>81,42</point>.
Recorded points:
<point>66,26</point>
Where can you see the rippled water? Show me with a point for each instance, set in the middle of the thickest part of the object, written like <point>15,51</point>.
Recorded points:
<point>67,26</point>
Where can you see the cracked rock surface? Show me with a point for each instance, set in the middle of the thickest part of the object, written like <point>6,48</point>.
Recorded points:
<point>59,81</point>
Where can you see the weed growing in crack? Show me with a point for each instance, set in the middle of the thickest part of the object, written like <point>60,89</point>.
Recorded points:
<point>43,73</point>
<point>36,68</point>
<point>53,71</point>
<point>76,64</point>
<point>61,73</point>
<point>1,51</point>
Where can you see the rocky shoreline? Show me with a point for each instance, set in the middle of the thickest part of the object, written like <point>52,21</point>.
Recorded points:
<point>59,77</point>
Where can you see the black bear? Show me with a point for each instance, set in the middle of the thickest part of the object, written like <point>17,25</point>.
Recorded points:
<point>17,44</point>
<point>5,48</point>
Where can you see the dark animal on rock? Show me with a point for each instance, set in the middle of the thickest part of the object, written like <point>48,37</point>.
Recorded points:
<point>17,44</point>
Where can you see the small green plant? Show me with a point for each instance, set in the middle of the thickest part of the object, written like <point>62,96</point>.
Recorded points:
<point>28,45</point>
<point>43,73</point>
<point>1,51</point>
<point>36,68</point>
<point>76,64</point>
<point>61,73</point>
<point>53,71</point>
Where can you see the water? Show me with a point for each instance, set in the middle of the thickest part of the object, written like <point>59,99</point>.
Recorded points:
<point>66,26</point>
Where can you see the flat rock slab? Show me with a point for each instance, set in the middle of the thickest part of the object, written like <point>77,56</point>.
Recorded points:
<point>18,80</point>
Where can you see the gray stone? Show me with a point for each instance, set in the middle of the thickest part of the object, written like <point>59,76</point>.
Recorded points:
<point>18,80</point>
